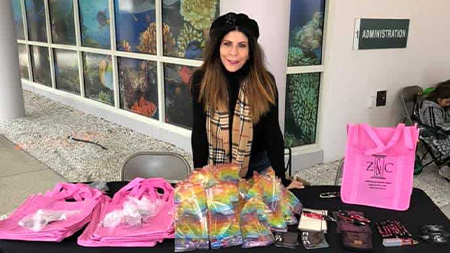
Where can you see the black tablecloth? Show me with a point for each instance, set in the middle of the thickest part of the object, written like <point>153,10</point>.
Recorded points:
<point>422,211</point>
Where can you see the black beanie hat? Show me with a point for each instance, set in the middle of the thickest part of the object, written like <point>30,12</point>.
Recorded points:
<point>230,21</point>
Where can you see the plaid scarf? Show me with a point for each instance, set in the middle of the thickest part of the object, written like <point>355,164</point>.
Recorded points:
<point>218,132</point>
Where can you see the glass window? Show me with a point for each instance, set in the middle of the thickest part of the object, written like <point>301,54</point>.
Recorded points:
<point>62,22</point>
<point>98,78</point>
<point>303,87</point>
<point>185,29</point>
<point>40,64</point>
<point>306,32</point>
<point>18,21</point>
<point>35,11</point>
<point>95,22</point>
<point>23,61</point>
<point>138,86</point>
<point>66,71</point>
<point>135,26</point>
<point>302,99</point>
<point>177,94</point>
<point>186,25</point>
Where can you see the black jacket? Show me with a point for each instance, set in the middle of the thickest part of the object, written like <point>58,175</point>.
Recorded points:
<point>267,134</point>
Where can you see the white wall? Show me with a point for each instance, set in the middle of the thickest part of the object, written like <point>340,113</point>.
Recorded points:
<point>273,21</point>
<point>11,97</point>
<point>352,76</point>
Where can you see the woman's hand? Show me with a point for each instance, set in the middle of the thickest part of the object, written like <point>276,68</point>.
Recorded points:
<point>295,185</point>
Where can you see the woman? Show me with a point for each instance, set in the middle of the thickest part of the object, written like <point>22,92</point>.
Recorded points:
<point>433,110</point>
<point>235,102</point>
<point>434,114</point>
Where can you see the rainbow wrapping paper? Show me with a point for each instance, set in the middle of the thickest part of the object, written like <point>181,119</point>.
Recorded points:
<point>205,177</point>
<point>254,224</point>
<point>222,201</point>
<point>227,173</point>
<point>191,226</point>
<point>290,205</point>
<point>216,207</point>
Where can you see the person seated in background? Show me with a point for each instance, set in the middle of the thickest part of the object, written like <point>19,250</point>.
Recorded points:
<point>434,114</point>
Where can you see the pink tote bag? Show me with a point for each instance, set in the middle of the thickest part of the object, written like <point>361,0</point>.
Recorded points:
<point>379,166</point>
<point>85,200</point>
<point>148,234</point>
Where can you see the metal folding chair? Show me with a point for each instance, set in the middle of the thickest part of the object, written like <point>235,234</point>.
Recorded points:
<point>288,164</point>
<point>409,99</point>
<point>167,165</point>
<point>340,170</point>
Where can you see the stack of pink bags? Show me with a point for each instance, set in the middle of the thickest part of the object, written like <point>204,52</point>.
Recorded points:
<point>141,214</point>
<point>57,214</point>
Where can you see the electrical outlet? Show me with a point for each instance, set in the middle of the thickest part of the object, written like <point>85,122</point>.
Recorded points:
<point>381,98</point>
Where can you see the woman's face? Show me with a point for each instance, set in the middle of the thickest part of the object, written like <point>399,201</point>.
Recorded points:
<point>444,102</point>
<point>234,50</point>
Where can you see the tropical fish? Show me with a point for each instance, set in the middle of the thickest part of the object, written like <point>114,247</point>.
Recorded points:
<point>193,50</point>
<point>136,6</point>
<point>102,19</point>
<point>105,73</point>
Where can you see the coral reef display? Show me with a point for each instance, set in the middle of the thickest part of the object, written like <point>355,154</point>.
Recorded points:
<point>95,23</point>
<point>148,39</point>
<point>36,22</point>
<point>190,42</point>
<point>18,21</point>
<point>138,86</point>
<point>105,97</point>
<point>144,107</point>
<point>98,78</point>
<point>177,94</point>
<point>62,22</point>
<point>185,26</point>
<point>124,45</point>
<point>199,13</point>
<point>168,40</point>
<point>302,97</point>
<point>302,90</point>
<point>40,65</point>
<point>66,71</point>
<point>306,33</point>
<point>133,19</point>
<point>189,22</point>
<point>296,57</point>
<point>309,37</point>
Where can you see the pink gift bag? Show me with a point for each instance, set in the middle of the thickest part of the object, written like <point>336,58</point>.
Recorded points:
<point>153,229</point>
<point>75,201</point>
<point>379,166</point>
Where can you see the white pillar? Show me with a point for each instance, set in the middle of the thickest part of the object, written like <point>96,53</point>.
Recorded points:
<point>11,97</point>
<point>273,20</point>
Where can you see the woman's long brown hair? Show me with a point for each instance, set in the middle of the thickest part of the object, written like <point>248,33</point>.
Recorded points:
<point>260,86</point>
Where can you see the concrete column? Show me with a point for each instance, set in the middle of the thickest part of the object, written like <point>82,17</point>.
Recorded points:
<point>273,20</point>
<point>11,97</point>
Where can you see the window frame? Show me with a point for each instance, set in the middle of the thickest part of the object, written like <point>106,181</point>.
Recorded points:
<point>160,59</point>
<point>290,70</point>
